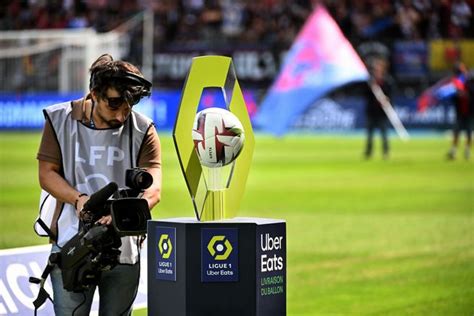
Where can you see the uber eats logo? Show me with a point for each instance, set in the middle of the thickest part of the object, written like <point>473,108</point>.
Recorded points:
<point>219,247</point>
<point>271,247</point>
<point>165,246</point>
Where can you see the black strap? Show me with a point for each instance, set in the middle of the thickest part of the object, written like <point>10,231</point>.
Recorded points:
<point>46,229</point>
<point>43,224</point>
<point>43,295</point>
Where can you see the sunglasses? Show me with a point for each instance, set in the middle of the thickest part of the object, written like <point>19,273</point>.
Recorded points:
<point>116,102</point>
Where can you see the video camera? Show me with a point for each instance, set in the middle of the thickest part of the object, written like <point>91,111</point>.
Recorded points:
<point>95,248</point>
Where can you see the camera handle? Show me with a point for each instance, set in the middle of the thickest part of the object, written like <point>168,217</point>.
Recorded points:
<point>43,295</point>
<point>98,199</point>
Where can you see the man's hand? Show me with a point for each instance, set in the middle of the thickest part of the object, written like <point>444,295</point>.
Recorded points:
<point>80,204</point>
<point>105,220</point>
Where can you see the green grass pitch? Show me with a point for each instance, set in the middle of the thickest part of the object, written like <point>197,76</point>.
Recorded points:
<point>374,237</point>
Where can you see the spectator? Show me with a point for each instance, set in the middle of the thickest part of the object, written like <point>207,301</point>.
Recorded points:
<point>460,18</point>
<point>375,115</point>
<point>408,19</point>
<point>461,101</point>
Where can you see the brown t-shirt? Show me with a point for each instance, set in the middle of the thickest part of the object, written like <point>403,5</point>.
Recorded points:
<point>149,156</point>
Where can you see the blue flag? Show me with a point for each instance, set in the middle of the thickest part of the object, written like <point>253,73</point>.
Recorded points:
<point>320,60</point>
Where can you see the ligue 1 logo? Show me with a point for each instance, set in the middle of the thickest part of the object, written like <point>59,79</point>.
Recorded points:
<point>165,253</point>
<point>219,255</point>
<point>164,246</point>
<point>219,247</point>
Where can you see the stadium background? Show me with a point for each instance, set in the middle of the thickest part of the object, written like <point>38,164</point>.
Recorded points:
<point>380,237</point>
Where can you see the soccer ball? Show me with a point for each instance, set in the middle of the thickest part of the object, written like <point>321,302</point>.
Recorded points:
<point>218,137</point>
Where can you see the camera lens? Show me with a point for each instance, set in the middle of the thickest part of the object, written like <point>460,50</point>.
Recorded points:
<point>138,179</point>
<point>130,216</point>
<point>143,179</point>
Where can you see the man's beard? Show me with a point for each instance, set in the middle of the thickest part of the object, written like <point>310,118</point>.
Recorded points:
<point>114,124</point>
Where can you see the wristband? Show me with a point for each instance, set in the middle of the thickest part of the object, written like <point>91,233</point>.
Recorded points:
<point>77,200</point>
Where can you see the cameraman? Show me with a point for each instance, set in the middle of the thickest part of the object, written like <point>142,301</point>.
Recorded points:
<point>86,144</point>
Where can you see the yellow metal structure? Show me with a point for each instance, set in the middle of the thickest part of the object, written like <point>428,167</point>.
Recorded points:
<point>212,72</point>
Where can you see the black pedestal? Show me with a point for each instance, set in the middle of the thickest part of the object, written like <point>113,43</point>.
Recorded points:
<point>229,267</point>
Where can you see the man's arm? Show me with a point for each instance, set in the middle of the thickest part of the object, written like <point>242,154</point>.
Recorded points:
<point>150,159</point>
<point>51,181</point>
<point>50,173</point>
<point>153,193</point>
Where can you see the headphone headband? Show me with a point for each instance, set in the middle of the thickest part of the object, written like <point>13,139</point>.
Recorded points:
<point>132,77</point>
<point>124,76</point>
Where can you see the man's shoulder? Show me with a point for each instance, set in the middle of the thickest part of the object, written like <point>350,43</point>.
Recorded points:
<point>75,108</point>
<point>63,106</point>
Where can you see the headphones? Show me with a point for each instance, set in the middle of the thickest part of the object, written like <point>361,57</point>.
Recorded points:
<point>126,76</point>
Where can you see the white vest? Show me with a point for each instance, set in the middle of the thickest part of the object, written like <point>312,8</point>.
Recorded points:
<point>91,158</point>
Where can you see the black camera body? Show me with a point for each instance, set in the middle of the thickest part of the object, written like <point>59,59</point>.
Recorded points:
<point>95,248</point>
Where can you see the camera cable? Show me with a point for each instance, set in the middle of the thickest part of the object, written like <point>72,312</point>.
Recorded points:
<point>82,303</point>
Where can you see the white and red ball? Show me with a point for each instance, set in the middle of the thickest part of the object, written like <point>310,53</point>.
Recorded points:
<point>218,137</point>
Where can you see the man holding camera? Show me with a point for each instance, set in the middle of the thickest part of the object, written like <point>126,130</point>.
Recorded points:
<point>87,144</point>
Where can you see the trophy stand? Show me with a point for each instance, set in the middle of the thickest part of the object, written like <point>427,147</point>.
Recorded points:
<point>215,201</point>
<point>216,263</point>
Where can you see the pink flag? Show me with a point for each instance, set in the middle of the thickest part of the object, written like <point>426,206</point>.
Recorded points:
<point>320,59</point>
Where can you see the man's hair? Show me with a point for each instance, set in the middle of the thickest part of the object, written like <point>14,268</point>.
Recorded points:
<point>122,76</point>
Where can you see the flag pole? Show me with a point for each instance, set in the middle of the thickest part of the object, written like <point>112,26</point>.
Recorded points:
<point>388,109</point>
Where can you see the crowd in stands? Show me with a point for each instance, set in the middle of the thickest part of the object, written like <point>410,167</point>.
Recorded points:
<point>244,22</point>
<point>404,19</point>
